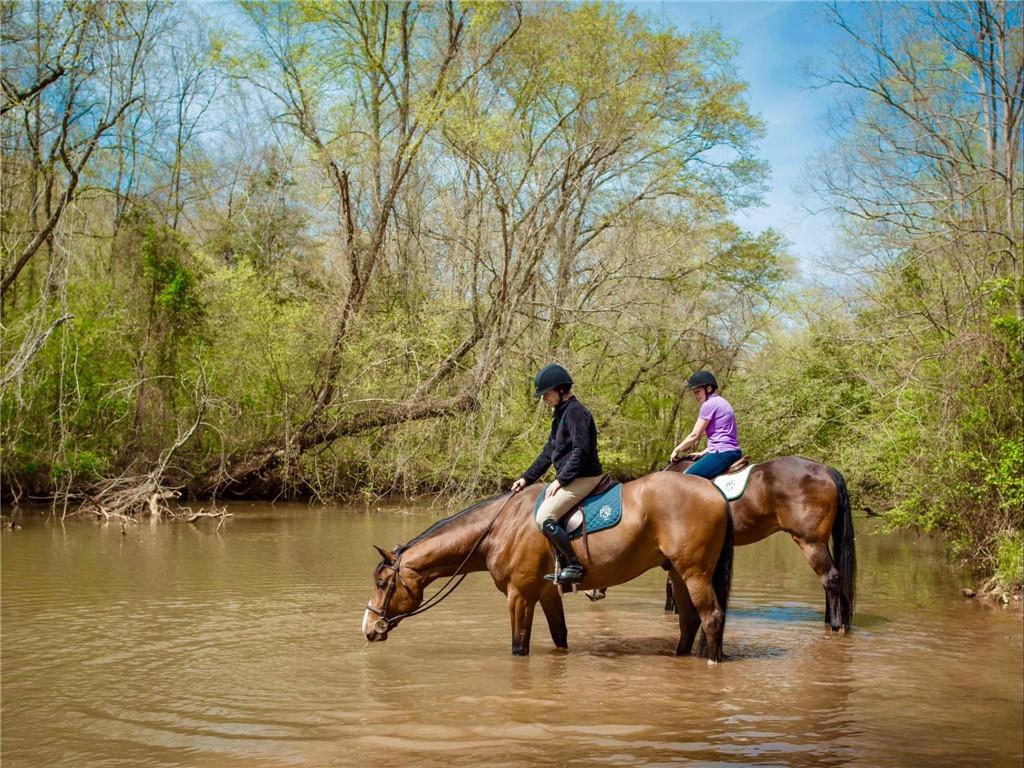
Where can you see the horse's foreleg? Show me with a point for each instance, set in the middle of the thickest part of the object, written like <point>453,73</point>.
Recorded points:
<point>520,611</point>
<point>712,618</point>
<point>689,619</point>
<point>820,560</point>
<point>551,604</point>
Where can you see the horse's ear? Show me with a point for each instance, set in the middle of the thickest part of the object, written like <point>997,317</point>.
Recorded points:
<point>389,557</point>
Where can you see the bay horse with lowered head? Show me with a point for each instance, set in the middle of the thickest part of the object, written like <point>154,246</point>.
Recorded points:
<point>676,520</point>
<point>809,501</point>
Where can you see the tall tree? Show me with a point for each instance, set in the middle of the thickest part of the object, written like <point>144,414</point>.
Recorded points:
<point>101,48</point>
<point>364,85</point>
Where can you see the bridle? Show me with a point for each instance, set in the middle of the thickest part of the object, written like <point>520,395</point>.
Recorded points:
<point>384,622</point>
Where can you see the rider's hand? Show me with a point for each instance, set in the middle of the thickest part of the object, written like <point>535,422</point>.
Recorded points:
<point>518,485</point>
<point>551,489</point>
<point>677,453</point>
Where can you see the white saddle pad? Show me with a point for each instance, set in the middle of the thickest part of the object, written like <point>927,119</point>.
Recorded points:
<point>733,485</point>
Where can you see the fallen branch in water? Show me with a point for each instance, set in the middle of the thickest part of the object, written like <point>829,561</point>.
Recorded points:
<point>187,515</point>
<point>125,498</point>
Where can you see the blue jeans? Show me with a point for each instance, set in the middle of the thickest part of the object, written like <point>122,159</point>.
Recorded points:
<point>713,464</point>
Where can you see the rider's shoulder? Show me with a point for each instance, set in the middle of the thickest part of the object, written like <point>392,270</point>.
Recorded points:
<point>718,402</point>
<point>576,407</point>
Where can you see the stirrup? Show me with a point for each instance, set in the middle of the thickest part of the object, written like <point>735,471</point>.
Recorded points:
<point>568,574</point>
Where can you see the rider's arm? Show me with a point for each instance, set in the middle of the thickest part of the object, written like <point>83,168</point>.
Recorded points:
<point>699,427</point>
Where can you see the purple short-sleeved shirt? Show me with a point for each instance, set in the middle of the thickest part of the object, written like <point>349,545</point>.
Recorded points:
<point>722,432</point>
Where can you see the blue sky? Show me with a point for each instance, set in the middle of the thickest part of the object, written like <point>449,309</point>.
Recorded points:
<point>778,41</point>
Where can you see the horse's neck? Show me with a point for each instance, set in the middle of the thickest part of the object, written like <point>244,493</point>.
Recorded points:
<point>442,554</point>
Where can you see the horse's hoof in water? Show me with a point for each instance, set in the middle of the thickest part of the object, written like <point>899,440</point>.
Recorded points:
<point>712,663</point>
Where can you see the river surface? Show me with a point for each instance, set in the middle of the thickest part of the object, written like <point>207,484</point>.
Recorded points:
<point>172,644</point>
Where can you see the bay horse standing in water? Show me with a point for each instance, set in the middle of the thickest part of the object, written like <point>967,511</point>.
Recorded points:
<point>809,501</point>
<point>671,519</point>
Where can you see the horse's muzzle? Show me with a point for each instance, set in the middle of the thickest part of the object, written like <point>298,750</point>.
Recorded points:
<point>375,631</point>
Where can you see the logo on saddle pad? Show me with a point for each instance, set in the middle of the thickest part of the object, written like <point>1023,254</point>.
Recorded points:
<point>733,485</point>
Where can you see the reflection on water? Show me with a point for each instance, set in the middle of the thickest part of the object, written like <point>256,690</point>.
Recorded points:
<point>173,645</point>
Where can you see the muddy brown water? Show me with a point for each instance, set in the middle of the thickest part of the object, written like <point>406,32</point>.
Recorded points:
<point>175,645</point>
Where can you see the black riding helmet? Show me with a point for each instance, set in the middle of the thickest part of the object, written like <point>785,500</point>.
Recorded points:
<point>702,379</point>
<point>549,377</point>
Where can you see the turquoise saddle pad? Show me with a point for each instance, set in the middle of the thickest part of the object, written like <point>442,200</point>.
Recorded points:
<point>601,511</point>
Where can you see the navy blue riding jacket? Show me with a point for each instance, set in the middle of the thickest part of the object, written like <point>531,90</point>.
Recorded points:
<point>571,447</point>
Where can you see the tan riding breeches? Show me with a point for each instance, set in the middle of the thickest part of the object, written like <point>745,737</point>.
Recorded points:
<point>565,498</point>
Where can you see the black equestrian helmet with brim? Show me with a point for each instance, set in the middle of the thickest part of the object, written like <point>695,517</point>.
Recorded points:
<point>702,379</point>
<point>549,377</point>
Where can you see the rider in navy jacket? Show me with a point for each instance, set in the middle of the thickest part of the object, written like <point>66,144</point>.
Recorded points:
<point>571,447</point>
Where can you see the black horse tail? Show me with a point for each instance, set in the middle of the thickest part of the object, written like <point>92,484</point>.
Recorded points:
<point>721,581</point>
<point>844,554</point>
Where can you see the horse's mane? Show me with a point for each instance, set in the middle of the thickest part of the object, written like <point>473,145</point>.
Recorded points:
<point>444,522</point>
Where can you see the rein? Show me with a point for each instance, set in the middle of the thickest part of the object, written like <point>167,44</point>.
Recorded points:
<point>385,623</point>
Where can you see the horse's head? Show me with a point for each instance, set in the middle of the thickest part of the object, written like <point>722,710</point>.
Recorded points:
<point>397,591</point>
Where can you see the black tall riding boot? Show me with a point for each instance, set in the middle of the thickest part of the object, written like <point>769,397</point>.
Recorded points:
<point>571,572</point>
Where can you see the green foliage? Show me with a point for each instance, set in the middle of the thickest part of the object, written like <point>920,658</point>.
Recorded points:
<point>1004,476</point>
<point>928,431</point>
<point>83,466</point>
<point>1009,570</point>
<point>174,284</point>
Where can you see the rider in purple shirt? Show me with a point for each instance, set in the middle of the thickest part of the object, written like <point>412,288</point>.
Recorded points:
<point>717,420</point>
